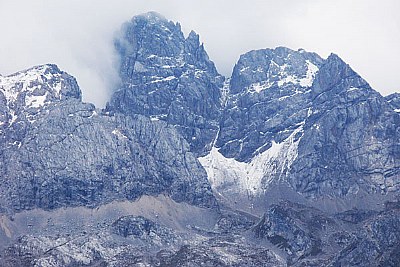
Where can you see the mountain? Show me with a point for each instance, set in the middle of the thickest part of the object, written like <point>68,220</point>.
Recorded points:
<point>286,121</point>
<point>298,126</point>
<point>58,151</point>
<point>168,77</point>
<point>292,161</point>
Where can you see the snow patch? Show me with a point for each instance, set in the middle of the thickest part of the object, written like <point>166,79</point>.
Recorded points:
<point>310,75</point>
<point>228,174</point>
<point>199,73</point>
<point>283,97</point>
<point>169,78</point>
<point>36,85</point>
<point>158,117</point>
<point>244,69</point>
<point>279,76</point>
<point>16,143</point>
<point>258,87</point>
<point>13,118</point>
<point>118,133</point>
<point>307,81</point>
<point>94,113</point>
<point>288,79</point>
<point>352,89</point>
<point>35,101</point>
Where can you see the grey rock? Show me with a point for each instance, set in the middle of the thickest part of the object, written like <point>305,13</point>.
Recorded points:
<point>134,241</point>
<point>311,237</point>
<point>377,244</point>
<point>394,100</point>
<point>233,222</point>
<point>350,141</point>
<point>142,228</point>
<point>341,137</point>
<point>168,77</point>
<point>355,216</point>
<point>67,153</point>
<point>298,230</point>
<point>269,96</point>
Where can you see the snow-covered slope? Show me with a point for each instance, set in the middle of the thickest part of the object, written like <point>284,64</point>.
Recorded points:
<point>230,177</point>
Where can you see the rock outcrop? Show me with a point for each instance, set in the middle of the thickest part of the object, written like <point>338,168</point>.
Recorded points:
<point>311,126</point>
<point>57,151</point>
<point>168,77</point>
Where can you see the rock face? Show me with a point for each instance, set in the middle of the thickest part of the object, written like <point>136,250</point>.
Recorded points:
<point>394,100</point>
<point>300,231</point>
<point>168,77</point>
<point>311,237</point>
<point>58,151</point>
<point>24,93</point>
<point>312,126</point>
<point>351,137</point>
<point>269,97</point>
<point>288,234</point>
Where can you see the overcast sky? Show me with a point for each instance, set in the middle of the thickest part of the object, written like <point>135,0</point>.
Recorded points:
<point>77,34</point>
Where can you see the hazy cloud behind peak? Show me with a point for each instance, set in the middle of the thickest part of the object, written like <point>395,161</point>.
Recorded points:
<point>78,35</point>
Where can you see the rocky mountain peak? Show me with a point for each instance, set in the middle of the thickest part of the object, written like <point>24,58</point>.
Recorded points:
<point>332,75</point>
<point>270,88</point>
<point>263,69</point>
<point>193,37</point>
<point>151,17</point>
<point>26,93</point>
<point>44,78</point>
<point>394,101</point>
<point>166,77</point>
<point>152,35</point>
<point>337,83</point>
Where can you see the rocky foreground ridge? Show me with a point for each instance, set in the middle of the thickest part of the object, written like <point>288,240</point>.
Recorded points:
<point>292,161</point>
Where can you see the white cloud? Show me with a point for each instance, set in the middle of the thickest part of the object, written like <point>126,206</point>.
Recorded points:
<point>77,35</point>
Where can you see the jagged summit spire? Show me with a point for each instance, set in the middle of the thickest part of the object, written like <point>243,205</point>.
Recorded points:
<point>152,16</point>
<point>164,75</point>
